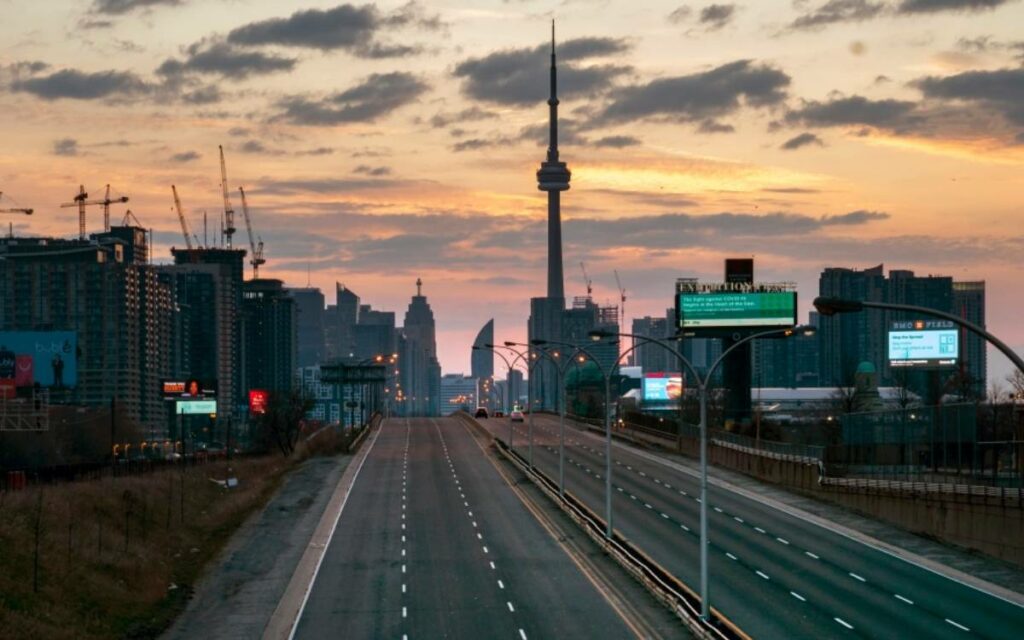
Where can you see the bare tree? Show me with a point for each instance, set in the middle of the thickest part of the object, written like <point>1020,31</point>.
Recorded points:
<point>281,424</point>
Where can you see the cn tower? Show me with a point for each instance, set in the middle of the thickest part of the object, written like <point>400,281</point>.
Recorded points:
<point>553,177</point>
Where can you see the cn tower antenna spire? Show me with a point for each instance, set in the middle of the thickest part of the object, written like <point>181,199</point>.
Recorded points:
<point>553,177</point>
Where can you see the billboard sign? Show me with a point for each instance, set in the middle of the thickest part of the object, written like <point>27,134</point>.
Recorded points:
<point>47,358</point>
<point>258,399</point>
<point>923,343</point>
<point>196,407</point>
<point>662,387</point>
<point>736,310</point>
<point>191,388</point>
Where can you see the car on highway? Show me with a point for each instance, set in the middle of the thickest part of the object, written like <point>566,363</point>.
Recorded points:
<point>481,412</point>
<point>516,415</point>
<point>499,414</point>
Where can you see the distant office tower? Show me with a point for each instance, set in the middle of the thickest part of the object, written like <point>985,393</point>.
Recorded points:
<point>104,291</point>
<point>309,304</point>
<point>786,362</point>
<point>458,393</point>
<point>516,388</point>
<point>340,320</point>
<point>848,339</point>
<point>546,314</point>
<point>420,370</point>
<point>482,358</point>
<point>969,304</point>
<point>269,336</point>
<point>650,357</point>
<point>586,316</point>
<point>374,334</point>
<point>209,281</point>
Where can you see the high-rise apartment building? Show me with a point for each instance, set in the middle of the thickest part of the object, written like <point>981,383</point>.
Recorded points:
<point>309,305</point>
<point>269,345</point>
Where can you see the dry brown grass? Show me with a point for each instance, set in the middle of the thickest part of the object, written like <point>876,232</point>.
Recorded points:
<point>118,556</point>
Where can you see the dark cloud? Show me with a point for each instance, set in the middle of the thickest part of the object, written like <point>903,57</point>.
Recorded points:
<point>366,169</point>
<point>706,95</point>
<point>331,186</point>
<point>680,14</point>
<point>855,217</point>
<point>377,96</point>
<point>121,7</point>
<point>186,156</point>
<point>65,147</point>
<point>716,16</point>
<point>802,140</point>
<point>1001,90</point>
<point>935,6</point>
<point>203,95</point>
<point>478,143</point>
<point>520,76</point>
<point>617,142</point>
<point>257,147</point>
<point>713,126</point>
<point>835,11</point>
<point>802,190</point>
<point>344,27</point>
<point>472,114</point>
<point>318,151</point>
<point>220,58</point>
<point>239,132</point>
<point>81,85</point>
<point>569,133</point>
<point>88,23</point>
<point>895,115</point>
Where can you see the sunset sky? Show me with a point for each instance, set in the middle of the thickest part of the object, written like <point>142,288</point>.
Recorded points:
<point>382,142</point>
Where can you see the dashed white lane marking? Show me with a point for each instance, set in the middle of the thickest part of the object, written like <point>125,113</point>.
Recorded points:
<point>501,585</point>
<point>479,536</point>
<point>759,530</point>
<point>957,625</point>
<point>731,557</point>
<point>493,567</point>
<point>684,527</point>
<point>485,550</point>
<point>856,577</point>
<point>763,575</point>
<point>844,623</point>
<point>405,612</point>
<point>808,553</point>
<point>522,634</point>
<point>648,505</point>
<point>403,568</point>
<point>403,587</point>
<point>798,596</point>
<point>738,519</point>
<point>510,607</point>
<point>782,540</point>
<point>718,510</point>
<point>907,600</point>
<point>664,515</point>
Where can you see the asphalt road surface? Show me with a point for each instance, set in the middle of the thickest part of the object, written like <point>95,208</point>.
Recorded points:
<point>432,543</point>
<point>775,575</point>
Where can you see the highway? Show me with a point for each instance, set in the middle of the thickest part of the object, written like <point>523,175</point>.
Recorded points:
<point>773,574</point>
<point>432,543</point>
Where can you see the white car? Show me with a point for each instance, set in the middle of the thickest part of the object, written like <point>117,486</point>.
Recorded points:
<point>516,415</point>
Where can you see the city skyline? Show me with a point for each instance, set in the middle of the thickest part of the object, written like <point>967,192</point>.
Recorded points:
<point>913,164</point>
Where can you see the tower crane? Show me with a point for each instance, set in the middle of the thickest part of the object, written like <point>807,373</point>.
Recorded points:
<point>27,212</point>
<point>81,200</point>
<point>229,213</point>
<point>622,300</point>
<point>255,244</point>
<point>181,217</point>
<point>586,279</point>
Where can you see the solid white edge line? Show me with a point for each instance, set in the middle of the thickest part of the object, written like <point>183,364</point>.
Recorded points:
<point>330,537</point>
<point>849,534</point>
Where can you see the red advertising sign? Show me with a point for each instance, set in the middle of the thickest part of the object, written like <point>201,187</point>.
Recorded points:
<point>258,399</point>
<point>23,371</point>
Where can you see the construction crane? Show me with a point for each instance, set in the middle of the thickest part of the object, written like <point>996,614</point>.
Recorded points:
<point>81,200</point>
<point>27,212</point>
<point>255,244</point>
<point>586,279</point>
<point>181,217</point>
<point>622,300</point>
<point>229,213</point>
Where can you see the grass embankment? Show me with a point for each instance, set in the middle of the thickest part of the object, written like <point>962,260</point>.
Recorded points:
<point>118,557</point>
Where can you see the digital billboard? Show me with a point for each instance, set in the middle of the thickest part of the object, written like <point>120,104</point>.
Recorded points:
<point>190,388</point>
<point>923,343</point>
<point>258,399</point>
<point>196,407</point>
<point>736,310</point>
<point>49,358</point>
<point>662,387</point>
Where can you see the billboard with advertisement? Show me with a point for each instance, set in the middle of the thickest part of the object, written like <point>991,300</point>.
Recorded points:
<point>196,407</point>
<point>189,388</point>
<point>923,344</point>
<point>662,387</point>
<point>258,399</point>
<point>727,310</point>
<point>47,358</point>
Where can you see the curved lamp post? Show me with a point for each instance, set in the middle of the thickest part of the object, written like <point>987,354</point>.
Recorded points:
<point>702,386</point>
<point>829,306</point>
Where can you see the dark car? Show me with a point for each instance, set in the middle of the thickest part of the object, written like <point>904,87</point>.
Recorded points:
<point>499,414</point>
<point>481,412</point>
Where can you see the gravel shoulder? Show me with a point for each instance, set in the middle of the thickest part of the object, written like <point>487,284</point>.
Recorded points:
<point>239,593</point>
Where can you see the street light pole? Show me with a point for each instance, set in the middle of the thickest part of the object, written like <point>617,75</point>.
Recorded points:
<point>702,386</point>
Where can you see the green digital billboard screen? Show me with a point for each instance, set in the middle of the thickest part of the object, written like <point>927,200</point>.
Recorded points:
<point>736,310</point>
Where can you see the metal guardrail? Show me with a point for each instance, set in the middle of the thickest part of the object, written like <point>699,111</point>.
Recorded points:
<point>680,598</point>
<point>921,488</point>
